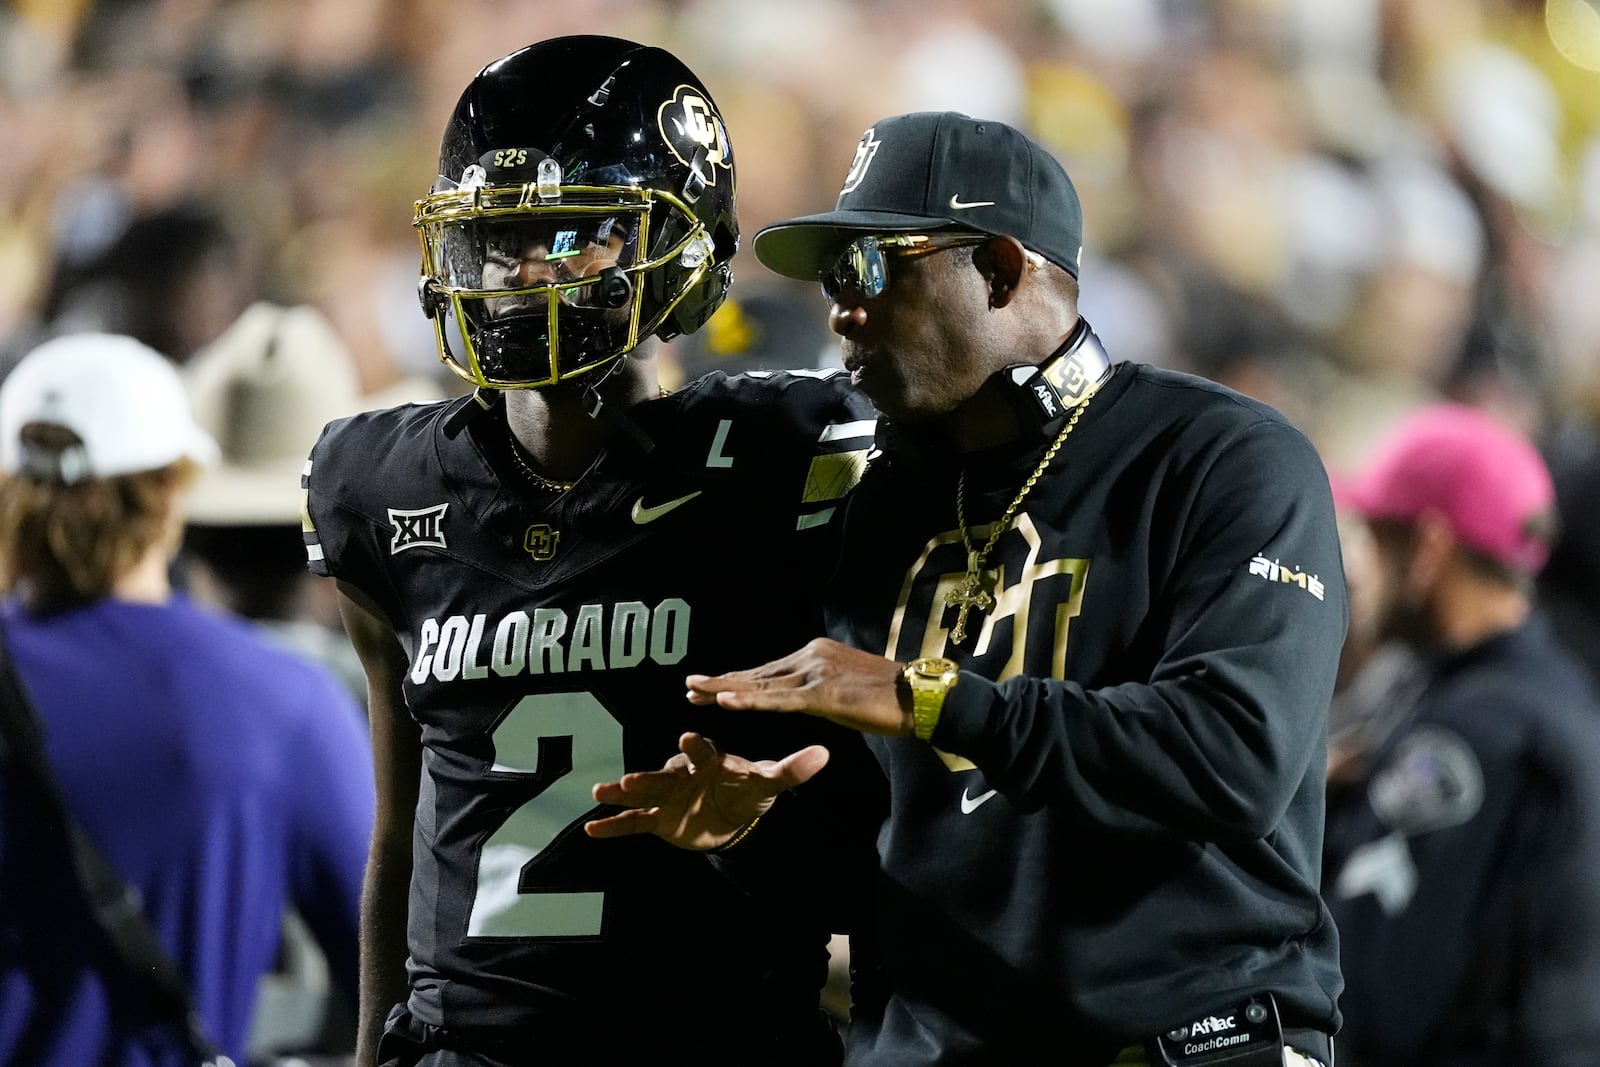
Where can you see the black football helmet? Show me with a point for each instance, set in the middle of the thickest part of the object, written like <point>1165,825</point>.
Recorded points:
<point>585,201</point>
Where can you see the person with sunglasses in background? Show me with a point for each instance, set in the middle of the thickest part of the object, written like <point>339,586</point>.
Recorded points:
<point>1088,617</point>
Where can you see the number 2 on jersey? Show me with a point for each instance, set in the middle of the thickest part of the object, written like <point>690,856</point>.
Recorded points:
<point>567,741</point>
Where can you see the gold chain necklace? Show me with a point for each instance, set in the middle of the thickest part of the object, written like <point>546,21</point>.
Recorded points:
<point>975,591</point>
<point>549,485</point>
<point>539,481</point>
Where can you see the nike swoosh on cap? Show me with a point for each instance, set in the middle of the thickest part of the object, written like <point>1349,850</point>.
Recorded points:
<point>970,804</point>
<point>643,514</point>
<point>957,204</point>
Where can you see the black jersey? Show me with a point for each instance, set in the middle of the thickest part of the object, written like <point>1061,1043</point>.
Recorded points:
<point>1462,870</point>
<point>1117,828</point>
<point>549,636</point>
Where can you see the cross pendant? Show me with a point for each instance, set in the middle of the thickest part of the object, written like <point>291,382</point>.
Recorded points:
<point>971,593</point>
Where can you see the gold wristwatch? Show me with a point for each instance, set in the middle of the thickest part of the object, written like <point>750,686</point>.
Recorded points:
<point>930,679</point>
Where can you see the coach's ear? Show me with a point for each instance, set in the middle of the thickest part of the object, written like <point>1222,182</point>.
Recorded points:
<point>1002,261</point>
<point>1433,545</point>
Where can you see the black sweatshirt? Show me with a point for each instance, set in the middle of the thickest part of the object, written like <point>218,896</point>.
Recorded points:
<point>1118,826</point>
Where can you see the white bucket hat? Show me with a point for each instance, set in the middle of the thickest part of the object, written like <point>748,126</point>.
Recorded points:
<point>265,389</point>
<point>123,400</point>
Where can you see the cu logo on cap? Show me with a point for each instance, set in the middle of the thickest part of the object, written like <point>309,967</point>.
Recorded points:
<point>865,151</point>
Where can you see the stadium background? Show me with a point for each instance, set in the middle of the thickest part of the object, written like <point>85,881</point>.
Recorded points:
<point>1340,207</point>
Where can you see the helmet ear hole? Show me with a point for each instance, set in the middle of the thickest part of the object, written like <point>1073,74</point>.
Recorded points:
<point>725,240</point>
<point>700,303</point>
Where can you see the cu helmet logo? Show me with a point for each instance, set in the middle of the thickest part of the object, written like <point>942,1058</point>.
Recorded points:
<point>688,125</point>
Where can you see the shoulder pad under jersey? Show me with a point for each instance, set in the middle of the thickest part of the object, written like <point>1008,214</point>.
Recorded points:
<point>361,471</point>
<point>809,431</point>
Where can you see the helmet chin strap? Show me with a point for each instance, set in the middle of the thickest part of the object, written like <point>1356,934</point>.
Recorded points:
<point>613,417</point>
<point>482,400</point>
<point>594,405</point>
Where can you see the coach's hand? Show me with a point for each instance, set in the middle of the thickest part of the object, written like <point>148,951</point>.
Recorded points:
<point>702,797</point>
<point>825,678</point>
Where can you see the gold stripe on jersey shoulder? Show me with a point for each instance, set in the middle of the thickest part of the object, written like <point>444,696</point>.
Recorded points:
<point>833,475</point>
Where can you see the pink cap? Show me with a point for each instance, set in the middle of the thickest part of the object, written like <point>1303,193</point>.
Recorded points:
<point>1487,480</point>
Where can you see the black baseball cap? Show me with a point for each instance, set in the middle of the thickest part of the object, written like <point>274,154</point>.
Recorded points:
<point>937,170</point>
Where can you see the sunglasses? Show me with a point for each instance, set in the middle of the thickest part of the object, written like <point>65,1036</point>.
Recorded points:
<point>862,269</point>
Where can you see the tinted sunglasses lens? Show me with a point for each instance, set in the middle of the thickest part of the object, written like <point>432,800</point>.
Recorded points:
<point>859,271</point>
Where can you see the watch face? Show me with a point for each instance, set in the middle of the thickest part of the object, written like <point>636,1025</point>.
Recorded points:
<point>933,666</point>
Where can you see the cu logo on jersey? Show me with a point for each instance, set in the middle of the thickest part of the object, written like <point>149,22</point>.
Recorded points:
<point>865,151</point>
<point>539,541</point>
<point>689,125</point>
<point>414,529</point>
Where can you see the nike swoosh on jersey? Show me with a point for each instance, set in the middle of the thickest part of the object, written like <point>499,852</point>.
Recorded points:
<point>957,204</point>
<point>971,804</point>
<point>643,514</point>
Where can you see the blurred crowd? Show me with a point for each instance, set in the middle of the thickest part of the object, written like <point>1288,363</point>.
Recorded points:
<point>1343,209</point>
<point>1347,209</point>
